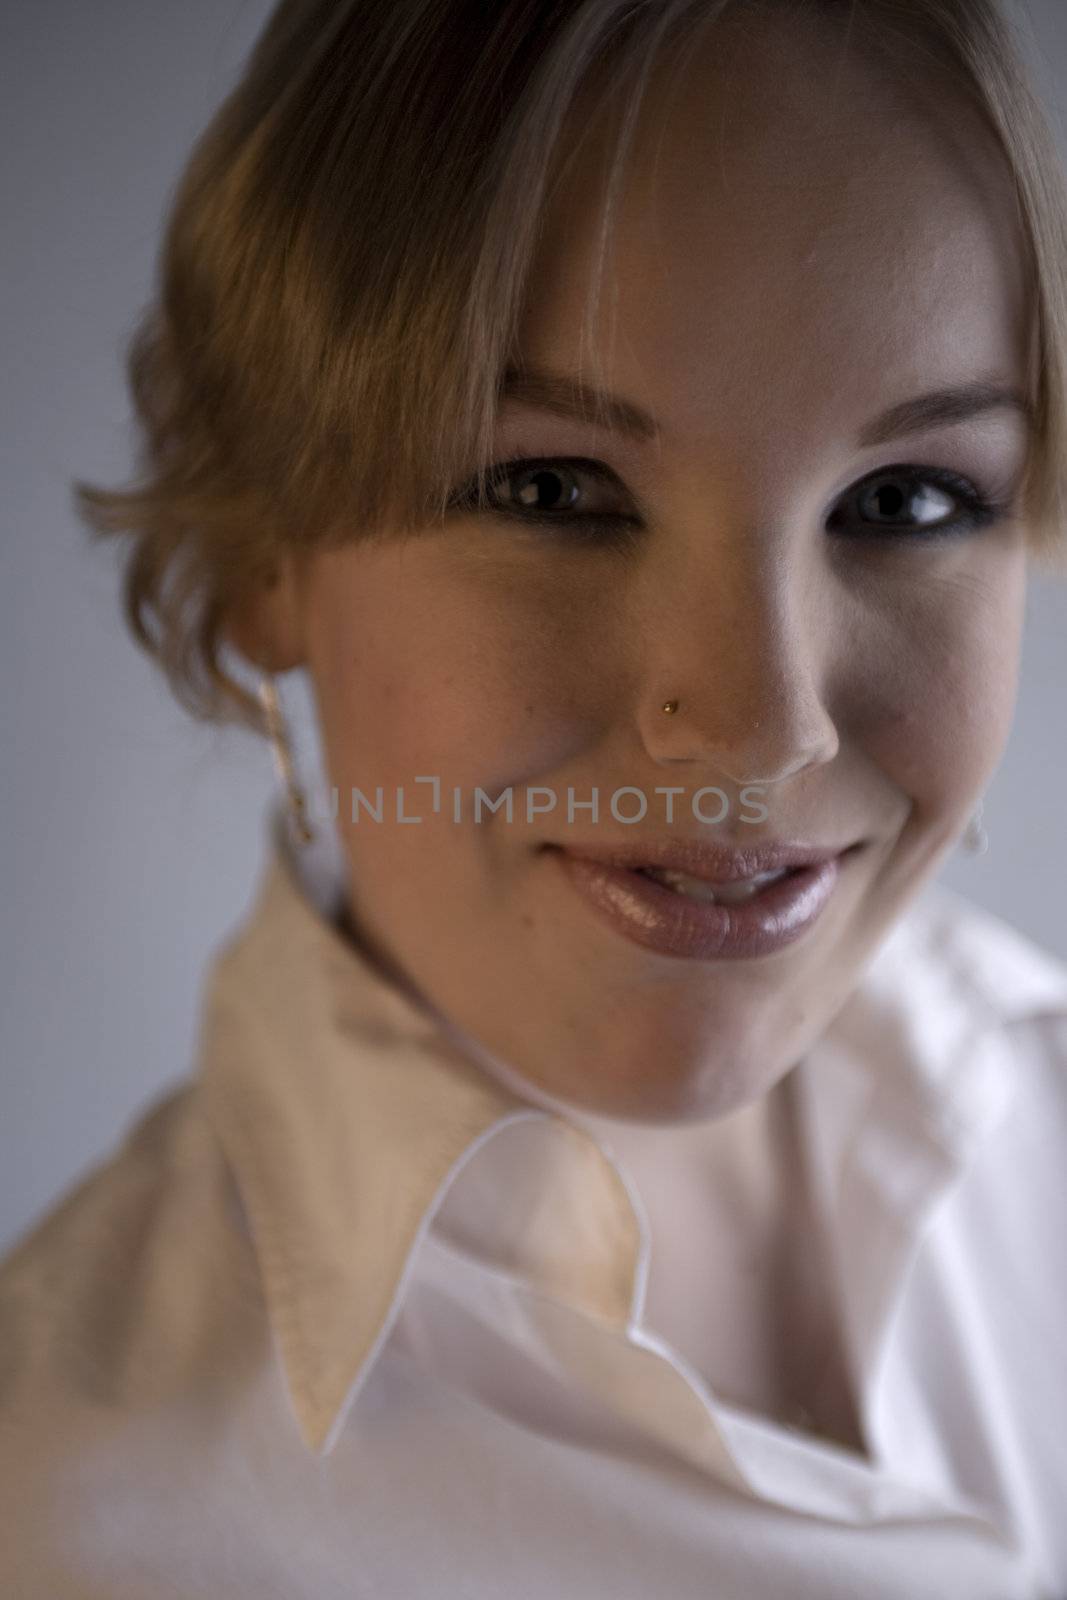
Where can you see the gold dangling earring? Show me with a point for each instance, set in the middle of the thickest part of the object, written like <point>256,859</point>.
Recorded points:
<point>283,758</point>
<point>975,838</point>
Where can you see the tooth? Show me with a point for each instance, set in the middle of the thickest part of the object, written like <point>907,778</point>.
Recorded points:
<point>727,893</point>
<point>734,893</point>
<point>681,883</point>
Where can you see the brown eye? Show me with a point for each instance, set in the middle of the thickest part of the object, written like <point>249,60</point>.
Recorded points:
<point>895,500</point>
<point>577,498</point>
<point>911,501</point>
<point>546,488</point>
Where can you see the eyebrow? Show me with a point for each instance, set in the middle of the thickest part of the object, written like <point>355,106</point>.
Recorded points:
<point>566,396</point>
<point>942,406</point>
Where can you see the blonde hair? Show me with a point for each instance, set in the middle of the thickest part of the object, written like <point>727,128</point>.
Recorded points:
<point>344,266</point>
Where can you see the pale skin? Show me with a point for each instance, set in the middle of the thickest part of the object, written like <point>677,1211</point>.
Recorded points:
<point>791,263</point>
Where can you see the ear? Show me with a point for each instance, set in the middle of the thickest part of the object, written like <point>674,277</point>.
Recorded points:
<point>266,623</point>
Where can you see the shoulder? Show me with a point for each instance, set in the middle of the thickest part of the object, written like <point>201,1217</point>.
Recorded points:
<point>981,957</point>
<point>1008,1079</point>
<point>1016,990</point>
<point>1019,985</point>
<point>129,1316</point>
<point>144,1161</point>
<point>87,1294</point>
<point>958,1015</point>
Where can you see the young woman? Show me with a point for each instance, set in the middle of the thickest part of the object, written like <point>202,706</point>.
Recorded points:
<point>613,1167</point>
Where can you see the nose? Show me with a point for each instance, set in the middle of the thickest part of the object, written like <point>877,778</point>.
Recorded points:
<point>746,651</point>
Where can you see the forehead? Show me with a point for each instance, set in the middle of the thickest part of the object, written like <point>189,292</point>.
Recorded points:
<point>801,232</point>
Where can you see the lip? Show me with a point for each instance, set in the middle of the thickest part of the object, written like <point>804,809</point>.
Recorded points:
<point>701,859</point>
<point>659,919</point>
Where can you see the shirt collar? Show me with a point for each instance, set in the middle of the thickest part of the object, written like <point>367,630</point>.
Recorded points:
<point>346,1112</point>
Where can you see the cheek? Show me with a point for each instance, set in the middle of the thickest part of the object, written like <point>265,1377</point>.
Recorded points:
<point>938,696</point>
<point>440,678</point>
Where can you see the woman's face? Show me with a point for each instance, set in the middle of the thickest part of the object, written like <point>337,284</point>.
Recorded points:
<point>799,251</point>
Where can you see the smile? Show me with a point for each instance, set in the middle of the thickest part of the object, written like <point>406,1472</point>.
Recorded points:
<point>731,894</point>
<point>677,914</point>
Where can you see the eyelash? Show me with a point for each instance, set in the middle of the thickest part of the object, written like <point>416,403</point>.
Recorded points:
<point>607,528</point>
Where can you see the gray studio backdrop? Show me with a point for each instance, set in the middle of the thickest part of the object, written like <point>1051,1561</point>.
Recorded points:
<point>131,836</point>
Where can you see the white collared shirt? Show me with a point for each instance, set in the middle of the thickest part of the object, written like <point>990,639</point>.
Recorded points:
<point>344,1316</point>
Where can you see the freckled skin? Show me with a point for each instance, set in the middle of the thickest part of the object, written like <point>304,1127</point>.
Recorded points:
<point>790,262</point>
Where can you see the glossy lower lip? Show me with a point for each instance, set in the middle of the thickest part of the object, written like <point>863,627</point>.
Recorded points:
<point>651,915</point>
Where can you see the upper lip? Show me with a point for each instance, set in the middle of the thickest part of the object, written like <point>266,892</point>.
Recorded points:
<point>703,860</point>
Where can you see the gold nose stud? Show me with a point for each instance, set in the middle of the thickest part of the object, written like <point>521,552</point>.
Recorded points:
<point>671,705</point>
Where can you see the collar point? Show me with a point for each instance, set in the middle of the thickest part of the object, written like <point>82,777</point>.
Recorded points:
<point>319,1426</point>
